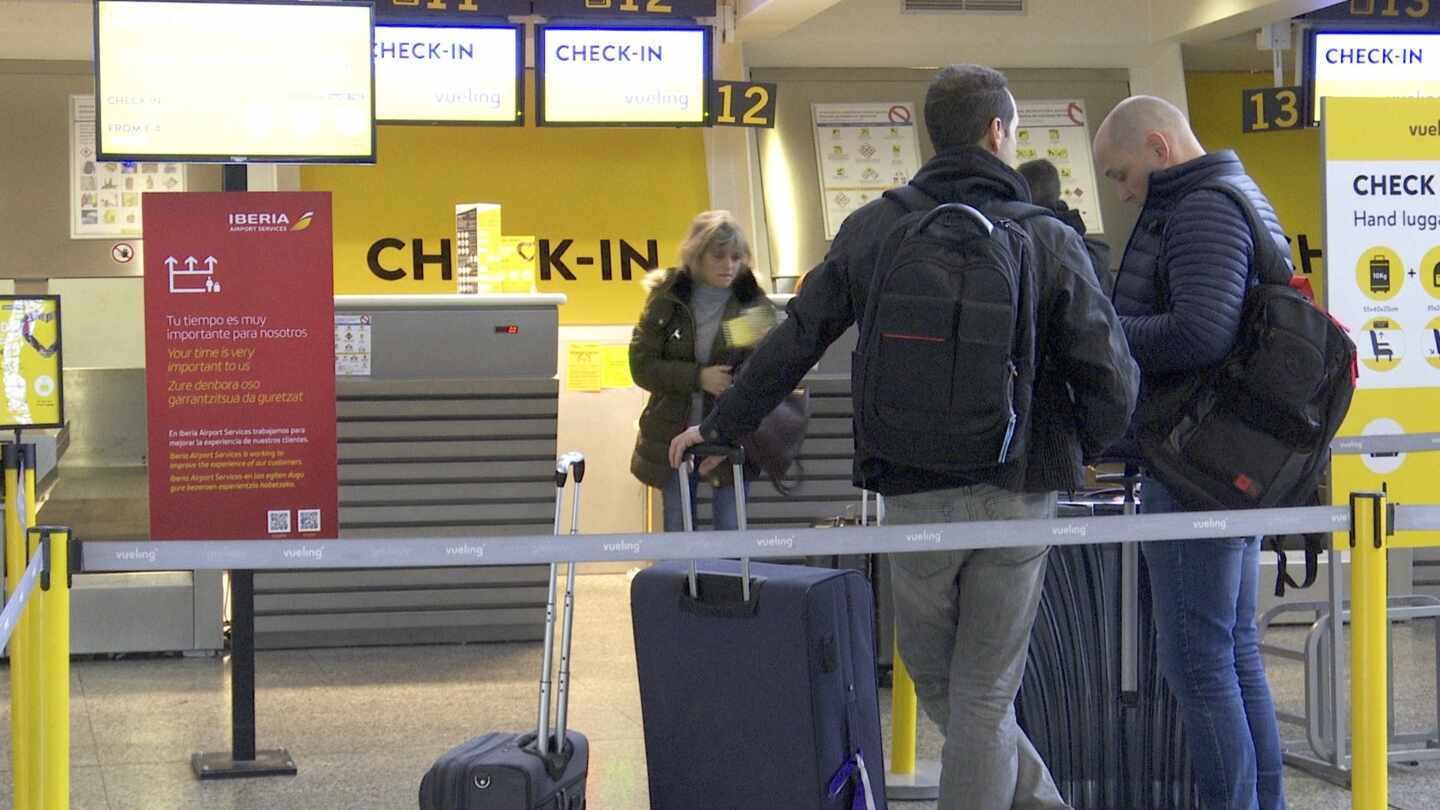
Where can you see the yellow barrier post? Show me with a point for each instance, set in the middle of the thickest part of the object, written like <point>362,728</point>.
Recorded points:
<point>54,657</point>
<point>1369,674</point>
<point>907,779</point>
<point>22,706</point>
<point>904,715</point>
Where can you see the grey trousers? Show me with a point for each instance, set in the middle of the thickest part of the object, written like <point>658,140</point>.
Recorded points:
<point>963,623</point>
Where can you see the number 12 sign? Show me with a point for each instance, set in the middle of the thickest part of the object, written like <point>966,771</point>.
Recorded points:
<point>742,104</point>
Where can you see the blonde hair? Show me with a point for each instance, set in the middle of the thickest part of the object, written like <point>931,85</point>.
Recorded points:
<point>711,230</point>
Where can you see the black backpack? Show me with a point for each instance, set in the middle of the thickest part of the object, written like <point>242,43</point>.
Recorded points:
<point>1255,431</point>
<point>945,364</point>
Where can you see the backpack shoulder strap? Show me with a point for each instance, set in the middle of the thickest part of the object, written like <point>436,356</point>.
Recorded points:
<point>1018,212</point>
<point>911,197</point>
<point>1267,258</point>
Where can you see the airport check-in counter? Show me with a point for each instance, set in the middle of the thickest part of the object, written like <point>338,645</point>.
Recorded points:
<point>452,433</point>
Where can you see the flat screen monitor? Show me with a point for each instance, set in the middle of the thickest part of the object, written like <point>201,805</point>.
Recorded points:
<point>1386,64</point>
<point>232,82</point>
<point>449,74</point>
<point>619,76</point>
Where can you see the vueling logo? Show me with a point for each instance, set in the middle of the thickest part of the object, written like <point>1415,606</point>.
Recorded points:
<point>925,537</point>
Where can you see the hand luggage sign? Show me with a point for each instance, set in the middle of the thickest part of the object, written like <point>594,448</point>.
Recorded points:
<point>1382,224</point>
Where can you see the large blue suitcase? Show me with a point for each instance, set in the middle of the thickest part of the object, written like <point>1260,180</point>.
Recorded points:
<point>765,704</point>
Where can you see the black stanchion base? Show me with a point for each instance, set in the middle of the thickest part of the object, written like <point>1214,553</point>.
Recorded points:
<point>275,762</point>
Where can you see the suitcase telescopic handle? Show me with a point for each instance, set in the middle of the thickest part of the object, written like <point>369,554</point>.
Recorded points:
<point>736,456</point>
<point>573,462</point>
<point>731,453</point>
<point>566,464</point>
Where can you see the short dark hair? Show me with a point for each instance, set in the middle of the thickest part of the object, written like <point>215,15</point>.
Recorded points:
<point>1044,181</point>
<point>961,103</point>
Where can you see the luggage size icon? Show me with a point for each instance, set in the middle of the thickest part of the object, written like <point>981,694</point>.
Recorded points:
<point>1380,274</point>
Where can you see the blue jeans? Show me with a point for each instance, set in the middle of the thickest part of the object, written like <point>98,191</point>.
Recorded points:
<point>725,518</point>
<point>1204,598</point>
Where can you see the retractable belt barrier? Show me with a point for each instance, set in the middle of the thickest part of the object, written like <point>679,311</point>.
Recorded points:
<point>15,604</point>
<point>169,555</point>
<point>400,552</point>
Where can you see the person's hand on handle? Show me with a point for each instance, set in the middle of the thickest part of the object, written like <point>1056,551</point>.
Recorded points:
<point>686,440</point>
<point>714,380</point>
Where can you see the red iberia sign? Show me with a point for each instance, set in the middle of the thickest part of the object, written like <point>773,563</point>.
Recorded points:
<point>240,365</point>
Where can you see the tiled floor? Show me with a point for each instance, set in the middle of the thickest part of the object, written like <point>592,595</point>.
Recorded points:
<point>364,723</point>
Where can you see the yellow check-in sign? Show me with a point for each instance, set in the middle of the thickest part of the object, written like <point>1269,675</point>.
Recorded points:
<point>30,362</point>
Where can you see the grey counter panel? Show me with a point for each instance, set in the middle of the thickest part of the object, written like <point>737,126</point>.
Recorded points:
<point>430,344</point>
<point>428,458</point>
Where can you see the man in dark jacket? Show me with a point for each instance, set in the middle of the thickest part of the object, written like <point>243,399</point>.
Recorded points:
<point>1180,292</point>
<point>1044,181</point>
<point>964,617</point>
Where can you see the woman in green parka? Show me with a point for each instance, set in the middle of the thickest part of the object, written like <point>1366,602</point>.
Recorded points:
<point>698,320</point>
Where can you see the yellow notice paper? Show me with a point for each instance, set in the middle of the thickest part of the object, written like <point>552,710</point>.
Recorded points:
<point>585,369</point>
<point>617,367</point>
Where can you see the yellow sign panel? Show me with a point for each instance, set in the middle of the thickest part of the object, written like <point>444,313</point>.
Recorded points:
<point>30,362</point>
<point>1382,212</point>
<point>1382,129</point>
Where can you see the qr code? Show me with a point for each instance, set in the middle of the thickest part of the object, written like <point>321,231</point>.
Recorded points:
<point>309,520</point>
<point>278,521</point>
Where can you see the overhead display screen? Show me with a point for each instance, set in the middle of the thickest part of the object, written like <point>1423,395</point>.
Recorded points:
<point>1373,64</point>
<point>427,74</point>
<point>234,82</point>
<point>614,76</point>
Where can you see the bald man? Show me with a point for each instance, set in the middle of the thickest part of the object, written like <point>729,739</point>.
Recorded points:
<point>1179,294</point>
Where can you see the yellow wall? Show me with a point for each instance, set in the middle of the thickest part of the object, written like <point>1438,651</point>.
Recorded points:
<point>585,185</point>
<point>1287,165</point>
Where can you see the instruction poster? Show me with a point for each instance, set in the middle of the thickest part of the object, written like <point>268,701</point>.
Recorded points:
<point>1058,131</point>
<point>105,197</point>
<point>30,361</point>
<point>352,345</point>
<point>1382,250</point>
<point>240,366</point>
<point>860,151</point>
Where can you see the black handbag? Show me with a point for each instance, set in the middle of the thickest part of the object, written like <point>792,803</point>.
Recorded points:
<point>774,447</point>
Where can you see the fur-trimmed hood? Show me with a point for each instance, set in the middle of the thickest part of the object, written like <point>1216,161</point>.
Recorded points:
<point>678,283</point>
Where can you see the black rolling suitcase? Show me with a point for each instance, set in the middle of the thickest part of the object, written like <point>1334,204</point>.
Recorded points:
<point>876,568</point>
<point>524,770</point>
<point>757,683</point>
